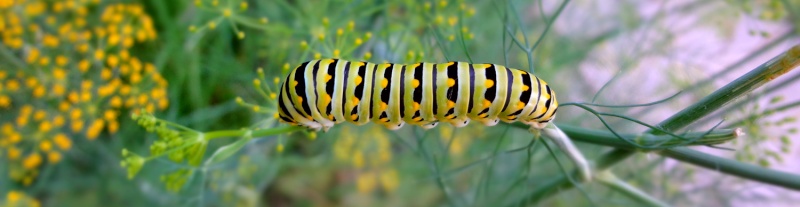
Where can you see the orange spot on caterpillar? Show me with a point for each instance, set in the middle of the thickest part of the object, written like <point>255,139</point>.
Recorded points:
<point>358,80</point>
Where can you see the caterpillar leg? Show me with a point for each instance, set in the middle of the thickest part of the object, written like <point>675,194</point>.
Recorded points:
<point>556,135</point>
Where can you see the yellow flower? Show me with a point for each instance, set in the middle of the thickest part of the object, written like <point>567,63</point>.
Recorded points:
<point>115,102</point>
<point>77,125</point>
<point>58,121</point>
<point>5,101</point>
<point>33,55</point>
<point>86,96</point>
<point>358,159</point>
<point>14,138</point>
<point>365,182</point>
<point>53,157</point>
<point>59,73</point>
<point>50,41</point>
<point>61,60</point>
<point>45,146</point>
<point>45,126</point>
<point>99,54</point>
<point>14,153</point>
<point>44,61</point>
<point>112,60</point>
<point>62,141</point>
<point>32,161</point>
<point>82,48</point>
<point>59,89</point>
<point>94,130</point>
<point>84,65</point>
<point>390,180</point>
<point>39,91</point>
<point>14,196</point>
<point>31,82</point>
<point>12,85</point>
<point>113,126</point>
<point>110,115</point>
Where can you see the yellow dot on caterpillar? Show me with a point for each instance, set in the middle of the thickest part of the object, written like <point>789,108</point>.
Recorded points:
<point>358,64</point>
<point>385,119</point>
<point>415,106</point>
<point>327,61</point>
<point>486,103</point>
<point>309,118</point>
<point>328,77</point>
<point>448,64</point>
<point>353,116</point>
<point>451,116</point>
<point>300,99</point>
<point>326,99</point>
<point>383,106</point>
<point>358,80</point>
<point>483,115</point>
<point>520,105</point>
<point>451,104</point>
<point>355,101</point>
<point>295,83</point>
<point>525,88</point>
<point>330,116</point>
<point>512,117</point>
<point>384,82</point>
<point>451,82</point>
<point>417,119</point>
<point>489,83</point>
<point>414,83</point>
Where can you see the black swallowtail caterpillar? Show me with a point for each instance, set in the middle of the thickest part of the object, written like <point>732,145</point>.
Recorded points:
<point>320,93</point>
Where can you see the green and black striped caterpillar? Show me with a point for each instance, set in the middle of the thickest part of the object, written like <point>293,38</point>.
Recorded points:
<point>320,93</point>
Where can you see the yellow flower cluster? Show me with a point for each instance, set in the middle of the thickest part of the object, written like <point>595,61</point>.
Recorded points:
<point>458,141</point>
<point>71,76</point>
<point>336,42</point>
<point>447,17</point>
<point>16,198</point>
<point>370,153</point>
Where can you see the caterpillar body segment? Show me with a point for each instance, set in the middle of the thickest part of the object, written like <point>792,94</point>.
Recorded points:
<point>321,93</point>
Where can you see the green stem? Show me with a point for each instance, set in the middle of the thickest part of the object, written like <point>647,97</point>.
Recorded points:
<point>734,167</point>
<point>11,58</point>
<point>759,76</point>
<point>764,73</point>
<point>253,133</point>
<point>609,179</point>
<point>606,138</point>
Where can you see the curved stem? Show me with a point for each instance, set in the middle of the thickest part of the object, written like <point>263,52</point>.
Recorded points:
<point>759,76</point>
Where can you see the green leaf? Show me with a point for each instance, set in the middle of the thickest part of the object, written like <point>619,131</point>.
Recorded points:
<point>228,150</point>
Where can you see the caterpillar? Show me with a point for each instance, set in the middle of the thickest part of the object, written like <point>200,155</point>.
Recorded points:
<point>320,93</point>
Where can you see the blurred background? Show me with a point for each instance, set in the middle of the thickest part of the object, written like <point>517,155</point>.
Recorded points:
<point>73,71</point>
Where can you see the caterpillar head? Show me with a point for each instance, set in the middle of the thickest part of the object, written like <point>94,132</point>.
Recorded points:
<point>545,111</point>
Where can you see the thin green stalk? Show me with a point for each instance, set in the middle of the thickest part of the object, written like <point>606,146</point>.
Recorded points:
<point>768,90</point>
<point>766,113</point>
<point>734,167</point>
<point>254,133</point>
<point>602,137</point>
<point>609,179</point>
<point>759,76</point>
<point>10,58</point>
